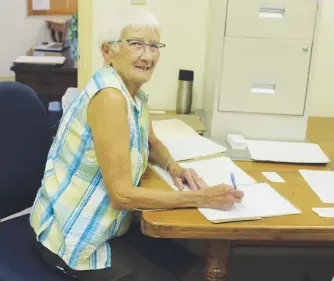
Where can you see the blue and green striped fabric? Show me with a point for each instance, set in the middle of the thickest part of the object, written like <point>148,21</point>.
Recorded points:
<point>72,215</point>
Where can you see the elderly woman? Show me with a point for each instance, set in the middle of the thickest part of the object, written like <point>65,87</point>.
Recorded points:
<point>103,145</point>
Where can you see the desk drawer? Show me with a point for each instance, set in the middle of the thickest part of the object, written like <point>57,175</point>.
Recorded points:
<point>48,83</point>
<point>264,76</point>
<point>276,19</point>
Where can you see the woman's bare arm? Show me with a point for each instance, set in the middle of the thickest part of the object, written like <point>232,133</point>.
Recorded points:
<point>107,118</point>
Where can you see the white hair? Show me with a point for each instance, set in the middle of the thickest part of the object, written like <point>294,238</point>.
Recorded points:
<point>131,17</point>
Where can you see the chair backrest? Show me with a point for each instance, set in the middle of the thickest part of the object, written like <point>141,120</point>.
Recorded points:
<point>25,140</point>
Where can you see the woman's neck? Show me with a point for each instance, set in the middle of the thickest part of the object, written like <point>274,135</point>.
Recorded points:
<point>132,87</point>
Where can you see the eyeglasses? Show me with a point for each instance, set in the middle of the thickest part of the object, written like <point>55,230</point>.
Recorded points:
<point>138,45</point>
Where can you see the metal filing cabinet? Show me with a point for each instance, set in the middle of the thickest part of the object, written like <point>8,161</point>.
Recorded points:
<point>258,68</point>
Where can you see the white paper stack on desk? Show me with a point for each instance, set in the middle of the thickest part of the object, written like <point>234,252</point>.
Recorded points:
<point>41,60</point>
<point>236,141</point>
<point>288,152</point>
<point>216,171</point>
<point>182,141</point>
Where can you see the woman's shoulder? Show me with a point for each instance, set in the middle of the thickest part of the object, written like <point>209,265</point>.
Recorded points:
<point>104,77</point>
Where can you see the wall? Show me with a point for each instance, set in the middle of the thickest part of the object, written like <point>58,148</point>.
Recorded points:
<point>85,23</point>
<point>187,51</point>
<point>184,26</point>
<point>19,33</point>
<point>322,82</point>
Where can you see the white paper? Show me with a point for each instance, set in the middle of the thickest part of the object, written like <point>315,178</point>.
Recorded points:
<point>172,129</point>
<point>152,111</point>
<point>182,141</point>
<point>41,60</point>
<point>260,199</point>
<point>291,152</point>
<point>321,182</point>
<point>40,5</point>
<point>22,213</point>
<point>236,141</point>
<point>273,176</point>
<point>214,171</point>
<point>324,212</point>
<point>192,147</point>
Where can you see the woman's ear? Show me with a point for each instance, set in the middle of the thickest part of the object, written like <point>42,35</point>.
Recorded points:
<point>106,52</point>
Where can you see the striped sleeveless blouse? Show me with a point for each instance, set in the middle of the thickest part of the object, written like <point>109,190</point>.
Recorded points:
<point>72,215</point>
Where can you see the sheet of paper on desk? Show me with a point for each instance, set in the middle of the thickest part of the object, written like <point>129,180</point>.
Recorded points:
<point>321,182</point>
<point>260,200</point>
<point>182,141</point>
<point>216,171</point>
<point>290,152</point>
<point>273,176</point>
<point>324,212</point>
<point>192,147</point>
<point>171,129</point>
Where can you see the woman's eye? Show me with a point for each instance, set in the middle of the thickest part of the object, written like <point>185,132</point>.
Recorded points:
<point>136,43</point>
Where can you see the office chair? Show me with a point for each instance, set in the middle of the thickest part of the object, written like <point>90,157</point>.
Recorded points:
<point>25,140</point>
<point>24,144</point>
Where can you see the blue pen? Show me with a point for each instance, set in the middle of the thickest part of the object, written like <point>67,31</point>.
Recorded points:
<point>233,180</point>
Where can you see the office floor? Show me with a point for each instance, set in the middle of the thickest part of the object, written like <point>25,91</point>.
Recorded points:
<point>271,267</point>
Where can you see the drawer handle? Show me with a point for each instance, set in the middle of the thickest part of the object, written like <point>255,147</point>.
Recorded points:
<point>271,12</point>
<point>263,89</point>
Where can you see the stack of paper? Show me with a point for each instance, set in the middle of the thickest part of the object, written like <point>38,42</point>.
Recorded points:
<point>236,141</point>
<point>182,141</point>
<point>217,171</point>
<point>321,182</point>
<point>290,152</point>
<point>46,60</point>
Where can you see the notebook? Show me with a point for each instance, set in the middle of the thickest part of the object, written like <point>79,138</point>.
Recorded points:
<point>182,141</point>
<point>289,152</point>
<point>216,171</point>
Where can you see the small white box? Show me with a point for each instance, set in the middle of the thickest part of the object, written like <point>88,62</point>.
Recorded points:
<point>236,141</point>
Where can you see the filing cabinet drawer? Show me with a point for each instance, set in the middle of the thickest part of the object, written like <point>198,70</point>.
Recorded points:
<point>275,19</point>
<point>264,76</point>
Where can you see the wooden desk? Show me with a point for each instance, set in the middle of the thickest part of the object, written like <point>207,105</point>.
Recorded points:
<point>49,82</point>
<point>306,228</point>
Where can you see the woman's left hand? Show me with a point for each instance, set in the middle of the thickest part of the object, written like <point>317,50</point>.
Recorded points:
<point>182,176</point>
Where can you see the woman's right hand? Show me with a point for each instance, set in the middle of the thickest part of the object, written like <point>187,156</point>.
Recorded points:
<point>222,197</point>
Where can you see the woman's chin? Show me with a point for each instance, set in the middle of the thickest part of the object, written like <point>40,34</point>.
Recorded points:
<point>143,78</point>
